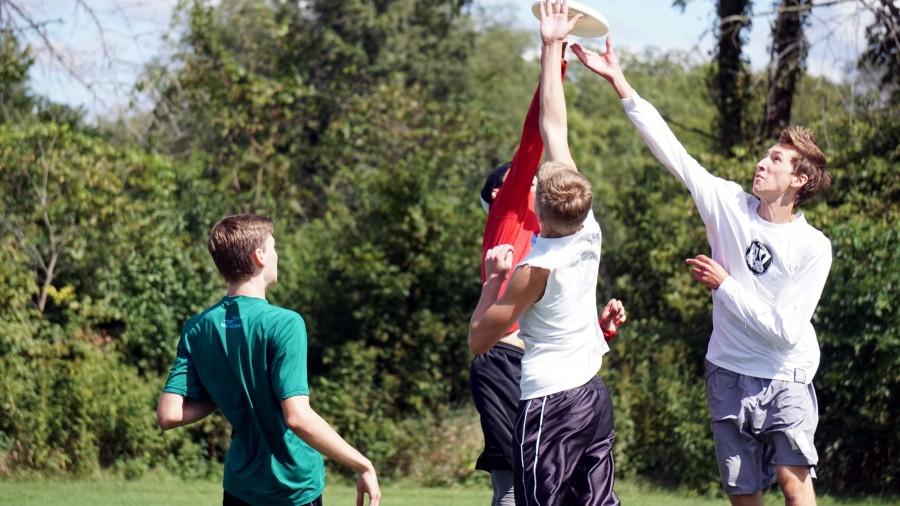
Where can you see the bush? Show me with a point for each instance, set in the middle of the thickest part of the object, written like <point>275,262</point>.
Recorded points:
<point>71,408</point>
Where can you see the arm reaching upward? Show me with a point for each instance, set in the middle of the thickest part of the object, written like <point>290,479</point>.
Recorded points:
<point>555,27</point>
<point>605,65</point>
<point>706,189</point>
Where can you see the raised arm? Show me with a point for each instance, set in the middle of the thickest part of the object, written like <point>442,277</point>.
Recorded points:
<point>555,27</point>
<point>704,187</point>
<point>522,169</point>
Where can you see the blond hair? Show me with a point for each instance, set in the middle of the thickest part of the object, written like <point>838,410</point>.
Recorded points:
<point>232,242</point>
<point>563,198</point>
<point>810,163</point>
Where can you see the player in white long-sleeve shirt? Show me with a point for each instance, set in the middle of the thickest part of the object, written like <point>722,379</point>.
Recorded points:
<point>767,272</point>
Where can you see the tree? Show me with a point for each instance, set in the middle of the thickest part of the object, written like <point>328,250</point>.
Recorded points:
<point>729,81</point>
<point>255,85</point>
<point>786,65</point>
<point>883,51</point>
<point>14,65</point>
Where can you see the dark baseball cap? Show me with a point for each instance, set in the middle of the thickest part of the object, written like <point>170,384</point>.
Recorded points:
<point>492,181</point>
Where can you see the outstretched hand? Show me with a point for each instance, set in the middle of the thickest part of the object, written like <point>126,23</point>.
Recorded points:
<point>555,22</point>
<point>605,65</point>
<point>707,271</point>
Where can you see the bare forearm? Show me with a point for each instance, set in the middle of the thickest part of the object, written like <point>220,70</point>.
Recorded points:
<point>480,336</point>
<point>553,109</point>
<point>620,84</point>
<point>318,433</point>
<point>554,119</point>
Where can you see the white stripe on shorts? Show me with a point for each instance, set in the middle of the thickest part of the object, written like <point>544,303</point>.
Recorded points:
<point>537,448</point>
<point>522,446</point>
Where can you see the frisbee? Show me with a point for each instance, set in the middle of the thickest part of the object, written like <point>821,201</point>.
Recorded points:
<point>592,24</point>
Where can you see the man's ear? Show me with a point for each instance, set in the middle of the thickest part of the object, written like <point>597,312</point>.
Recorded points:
<point>258,257</point>
<point>799,180</point>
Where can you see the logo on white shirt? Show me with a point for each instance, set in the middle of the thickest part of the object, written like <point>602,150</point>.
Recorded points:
<point>759,258</point>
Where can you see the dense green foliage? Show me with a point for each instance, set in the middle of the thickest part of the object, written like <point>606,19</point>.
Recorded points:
<point>364,129</point>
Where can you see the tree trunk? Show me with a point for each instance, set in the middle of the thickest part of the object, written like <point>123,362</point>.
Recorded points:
<point>730,81</point>
<point>882,54</point>
<point>786,64</point>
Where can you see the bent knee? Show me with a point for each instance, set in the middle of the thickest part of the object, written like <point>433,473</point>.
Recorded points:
<point>796,485</point>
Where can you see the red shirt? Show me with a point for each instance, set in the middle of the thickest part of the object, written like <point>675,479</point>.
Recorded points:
<point>511,219</point>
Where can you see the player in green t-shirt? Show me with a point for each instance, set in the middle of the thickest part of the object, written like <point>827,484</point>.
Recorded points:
<point>247,358</point>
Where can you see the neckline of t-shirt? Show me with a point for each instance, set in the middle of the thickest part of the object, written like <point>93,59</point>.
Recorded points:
<point>797,221</point>
<point>244,297</point>
<point>563,239</point>
<point>571,237</point>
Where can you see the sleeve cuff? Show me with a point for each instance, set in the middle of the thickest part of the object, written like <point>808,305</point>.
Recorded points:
<point>630,103</point>
<point>295,393</point>
<point>175,390</point>
<point>726,291</point>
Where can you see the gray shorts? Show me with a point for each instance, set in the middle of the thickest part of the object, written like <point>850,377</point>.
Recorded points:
<point>759,424</point>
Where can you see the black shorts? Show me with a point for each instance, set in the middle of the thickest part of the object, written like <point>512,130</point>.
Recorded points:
<point>230,500</point>
<point>564,448</point>
<point>494,381</point>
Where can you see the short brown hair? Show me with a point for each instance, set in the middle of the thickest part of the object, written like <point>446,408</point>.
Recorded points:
<point>810,163</point>
<point>233,240</point>
<point>563,198</point>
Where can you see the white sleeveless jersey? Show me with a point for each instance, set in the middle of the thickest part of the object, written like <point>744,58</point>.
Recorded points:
<point>563,342</point>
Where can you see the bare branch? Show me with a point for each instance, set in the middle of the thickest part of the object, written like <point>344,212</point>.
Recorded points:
<point>100,30</point>
<point>40,29</point>
<point>781,9</point>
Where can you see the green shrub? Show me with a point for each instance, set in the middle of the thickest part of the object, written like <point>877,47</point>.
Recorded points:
<point>76,409</point>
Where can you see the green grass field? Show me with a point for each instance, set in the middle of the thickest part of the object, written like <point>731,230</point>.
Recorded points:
<point>153,491</point>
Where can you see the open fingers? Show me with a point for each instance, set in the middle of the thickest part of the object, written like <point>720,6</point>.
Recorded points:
<point>574,20</point>
<point>579,51</point>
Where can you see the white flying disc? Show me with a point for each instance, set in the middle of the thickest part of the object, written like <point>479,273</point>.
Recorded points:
<point>592,24</point>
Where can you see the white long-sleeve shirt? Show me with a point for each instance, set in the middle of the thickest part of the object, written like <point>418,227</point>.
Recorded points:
<point>762,312</point>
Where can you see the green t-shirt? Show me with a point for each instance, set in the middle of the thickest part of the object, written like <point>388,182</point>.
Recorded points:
<point>247,356</point>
